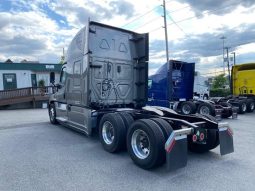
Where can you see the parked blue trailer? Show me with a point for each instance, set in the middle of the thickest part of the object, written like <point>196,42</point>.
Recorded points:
<point>181,98</point>
<point>183,82</point>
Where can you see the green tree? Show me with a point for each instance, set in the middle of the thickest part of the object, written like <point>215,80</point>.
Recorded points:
<point>219,81</point>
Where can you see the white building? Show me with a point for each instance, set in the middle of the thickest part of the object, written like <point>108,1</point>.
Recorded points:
<point>22,75</point>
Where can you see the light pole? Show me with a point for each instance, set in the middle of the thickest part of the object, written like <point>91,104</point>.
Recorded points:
<point>234,57</point>
<point>223,38</point>
<point>229,78</point>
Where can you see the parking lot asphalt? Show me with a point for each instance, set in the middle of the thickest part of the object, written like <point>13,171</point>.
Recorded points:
<point>36,155</point>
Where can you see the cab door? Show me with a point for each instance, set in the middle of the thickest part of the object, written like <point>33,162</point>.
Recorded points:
<point>75,111</point>
<point>60,95</point>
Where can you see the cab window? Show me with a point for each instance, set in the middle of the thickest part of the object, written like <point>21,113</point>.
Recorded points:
<point>63,75</point>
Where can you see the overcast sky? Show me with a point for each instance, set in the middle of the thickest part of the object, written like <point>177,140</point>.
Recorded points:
<point>39,29</point>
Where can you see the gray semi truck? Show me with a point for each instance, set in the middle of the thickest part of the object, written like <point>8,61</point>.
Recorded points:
<point>103,87</point>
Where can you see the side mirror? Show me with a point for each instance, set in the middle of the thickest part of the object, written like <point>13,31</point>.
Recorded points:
<point>52,78</point>
<point>59,86</point>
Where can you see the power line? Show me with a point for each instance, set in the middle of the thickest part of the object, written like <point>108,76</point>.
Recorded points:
<point>177,10</point>
<point>201,14</point>
<point>135,19</point>
<point>154,19</point>
<point>176,23</point>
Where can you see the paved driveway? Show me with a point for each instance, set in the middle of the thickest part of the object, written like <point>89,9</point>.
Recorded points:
<point>36,155</point>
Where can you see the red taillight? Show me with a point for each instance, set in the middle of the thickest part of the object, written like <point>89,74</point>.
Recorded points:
<point>230,132</point>
<point>202,136</point>
<point>194,138</point>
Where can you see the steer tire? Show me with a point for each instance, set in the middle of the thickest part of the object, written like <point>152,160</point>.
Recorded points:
<point>164,126</point>
<point>155,143</point>
<point>208,107</point>
<point>187,104</point>
<point>52,113</point>
<point>118,130</point>
<point>242,105</point>
<point>250,105</point>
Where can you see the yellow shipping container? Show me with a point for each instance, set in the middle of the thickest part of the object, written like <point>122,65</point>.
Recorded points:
<point>243,79</point>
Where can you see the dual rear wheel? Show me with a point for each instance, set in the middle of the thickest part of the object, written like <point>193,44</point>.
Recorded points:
<point>144,138</point>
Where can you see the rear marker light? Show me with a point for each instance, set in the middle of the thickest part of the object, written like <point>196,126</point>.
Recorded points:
<point>230,132</point>
<point>194,138</point>
<point>202,136</point>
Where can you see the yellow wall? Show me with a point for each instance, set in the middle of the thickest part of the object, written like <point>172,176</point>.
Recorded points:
<point>243,77</point>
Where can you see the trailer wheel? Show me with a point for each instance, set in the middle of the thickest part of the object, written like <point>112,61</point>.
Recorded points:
<point>206,109</point>
<point>164,126</point>
<point>127,118</point>
<point>229,112</point>
<point>52,113</point>
<point>250,105</point>
<point>242,106</point>
<point>188,107</point>
<point>145,144</point>
<point>112,132</point>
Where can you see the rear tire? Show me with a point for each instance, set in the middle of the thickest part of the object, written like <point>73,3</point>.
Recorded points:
<point>112,132</point>
<point>250,105</point>
<point>164,126</point>
<point>52,113</point>
<point>127,118</point>
<point>242,105</point>
<point>187,108</point>
<point>145,144</point>
<point>228,113</point>
<point>206,109</point>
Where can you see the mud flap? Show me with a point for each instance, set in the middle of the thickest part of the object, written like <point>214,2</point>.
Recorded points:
<point>176,149</point>
<point>226,139</point>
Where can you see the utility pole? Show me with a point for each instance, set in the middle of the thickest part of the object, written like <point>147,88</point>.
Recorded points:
<point>223,38</point>
<point>169,64</point>
<point>234,57</point>
<point>229,78</point>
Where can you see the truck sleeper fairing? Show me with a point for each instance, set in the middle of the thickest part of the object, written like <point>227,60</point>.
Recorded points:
<point>104,86</point>
<point>117,67</point>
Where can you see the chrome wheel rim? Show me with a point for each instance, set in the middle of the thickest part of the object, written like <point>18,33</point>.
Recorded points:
<point>244,107</point>
<point>140,144</point>
<point>204,110</point>
<point>52,114</point>
<point>186,109</point>
<point>108,132</point>
<point>252,106</point>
